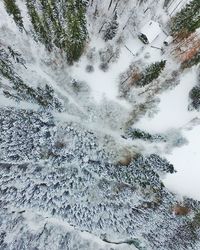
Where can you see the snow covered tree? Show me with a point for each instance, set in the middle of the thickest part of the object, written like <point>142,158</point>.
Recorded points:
<point>195,97</point>
<point>21,91</point>
<point>42,96</point>
<point>42,34</point>
<point>6,67</point>
<point>139,134</point>
<point>13,9</point>
<point>80,166</point>
<point>111,28</point>
<point>16,56</point>
<point>159,164</point>
<point>64,29</point>
<point>187,20</point>
<point>151,73</point>
<point>77,31</point>
<point>25,135</point>
<point>166,3</point>
<point>52,23</point>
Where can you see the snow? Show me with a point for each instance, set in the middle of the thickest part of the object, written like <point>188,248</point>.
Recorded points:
<point>31,223</point>
<point>158,42</point>
<point>100,82</point>
<point>5,102</point>
<point>37,221</point>
<point>176,6</point>
<point>54,222</point>
<point>151,30</point>
<point>173,107</point>
<point>104,84</point>
<point>187,163</point>
<point>173,113</point>
<point>140,50</point>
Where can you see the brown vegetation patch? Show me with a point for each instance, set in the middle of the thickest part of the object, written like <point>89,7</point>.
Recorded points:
<point>180,210</point>
<point>185,49</point>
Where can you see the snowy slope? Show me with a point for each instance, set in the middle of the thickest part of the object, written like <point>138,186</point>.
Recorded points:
<point>186,160</point>
<point>173,113</point>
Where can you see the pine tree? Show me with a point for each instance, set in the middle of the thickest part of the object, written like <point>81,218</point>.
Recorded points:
<point>151,73</point>
<point>13,10</point>
<point>77,31</point>
<point>6,67</point>
<point>42,34</point>
<point>44,97</point>
<point>16,56</point>
<point>111,29</point>
<point>64,29</point>
<point>195,97</point>
<point>166,3</point>
<point>140,134</point>
<point>187,20</point>
<point>51,22</point>
<point>24,135</point>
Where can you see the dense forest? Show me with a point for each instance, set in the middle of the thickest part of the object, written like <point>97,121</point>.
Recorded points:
<point>77,172</point>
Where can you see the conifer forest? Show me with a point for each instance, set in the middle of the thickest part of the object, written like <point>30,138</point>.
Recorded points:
<point>99,124</point>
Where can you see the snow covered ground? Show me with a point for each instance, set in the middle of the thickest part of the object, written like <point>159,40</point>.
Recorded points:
<point>176,5</point>
<point>187,163</point>
<point>173,113</point>
<point>104,84</point>
<point>102,203</point>
<point>173,107</point>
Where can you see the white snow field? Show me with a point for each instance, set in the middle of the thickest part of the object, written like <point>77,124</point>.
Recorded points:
<point>176,5</point>
<point>105,84</point>
<point>173,107</point>
<point>186,160</point>
<point>173,113</point>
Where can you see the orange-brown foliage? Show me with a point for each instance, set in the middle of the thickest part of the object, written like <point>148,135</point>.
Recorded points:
<point>186,49</point>
<point>180,210</point>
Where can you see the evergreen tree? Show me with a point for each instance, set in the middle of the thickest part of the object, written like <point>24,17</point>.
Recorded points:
<point>77,31</point>
<point>24,135</point>
<point>187,20</point>
<point>111,29</point>
<point>16,56</point>
<point>195,97</point>
<point>151,73</point>
<point>65,29</point>
<point>6,67</point>
<point>42,96</point>
<point>51,22</point>
<point>13,10</point>
<point>42,34</point>
<point>140,134</point>
<point>45,97</point>
<point>166,3</point>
